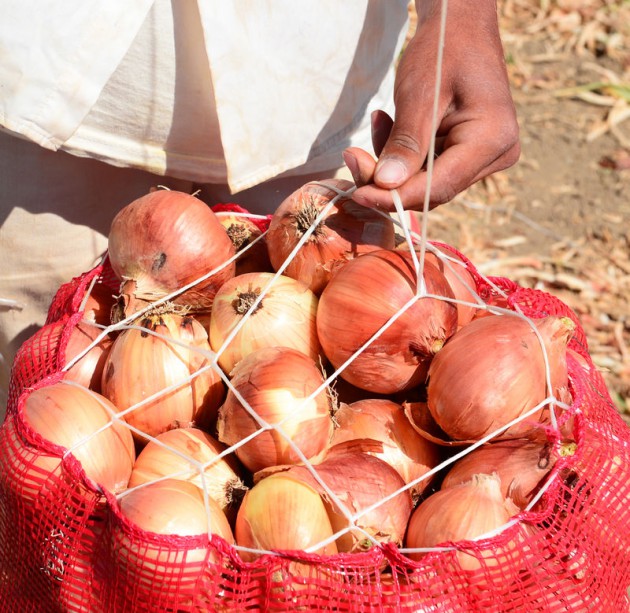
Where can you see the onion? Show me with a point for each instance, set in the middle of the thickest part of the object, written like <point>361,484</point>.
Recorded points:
<point>173,566</point>
<point>361,297</point>
<point>461,512</point>
<point>284,317</point>
<point>64,340</point>
<point>275,382</point>
<point>403,448</point>
<point>76,419</point>
<point>164,241</point>
<point>493,371</point>
<point>243,231</point>
<point>283,513</point>
<point>520,464</point>
<point>141,365</point>
<point>347,230</point>
<point>167,457</point>
<point>361,482</point>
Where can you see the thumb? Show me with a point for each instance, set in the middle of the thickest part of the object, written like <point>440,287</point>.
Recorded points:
<point>403,154</point>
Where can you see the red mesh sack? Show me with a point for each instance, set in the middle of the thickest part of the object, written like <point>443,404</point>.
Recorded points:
<point>65,545</point>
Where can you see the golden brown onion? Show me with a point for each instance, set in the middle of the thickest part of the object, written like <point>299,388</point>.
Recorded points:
<point>275,382</point>
<point>361,298</point>
<point>347,230</point>
<point>284,317</point>
<point>493,371</point>
<point>163,241</point>
<point>141,365</point>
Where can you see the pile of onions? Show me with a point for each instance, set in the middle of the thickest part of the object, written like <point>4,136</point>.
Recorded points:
<point>283,513</point>
<point>164,241</point>
<point>385,421</point>
<point>361,298</point>
<point>366,486</point>
<point>285,316</point>
<point>155,371</point>
<point>459,513</point>
<point>169,455</point>
<point>346,231</point>
<point>521,465</point>
<point>493,370</point>
<point>277,384</point>
<point>78,420</point>
<point>243,231</point>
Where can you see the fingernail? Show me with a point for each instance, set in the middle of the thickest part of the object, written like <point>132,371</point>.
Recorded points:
<point>352,164</point>
<point>390,172</point>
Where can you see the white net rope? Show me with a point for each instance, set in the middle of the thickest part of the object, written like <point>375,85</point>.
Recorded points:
<point>419,245</point>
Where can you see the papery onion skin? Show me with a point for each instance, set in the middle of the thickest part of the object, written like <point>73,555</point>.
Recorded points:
<point>163,241</point>
<point>140,365</point>
<point>282,513</point>
<point>521,464</point>
<point>67,415</point>
<point>98,304</point>
<point>459,513</point>
<point>361,297</point>
<point>360,480</point>
<point>223,476</point>
<point>403,448</point>
<point>275,381</point>
<point>284,317</point>
<point>242,231</point>
<point>492,371</point>
<point>347,231</point>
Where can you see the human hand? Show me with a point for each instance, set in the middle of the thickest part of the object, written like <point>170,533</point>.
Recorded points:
<point>477,131</point>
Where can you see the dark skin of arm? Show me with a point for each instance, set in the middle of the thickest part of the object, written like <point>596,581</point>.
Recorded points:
<point>477,133</point>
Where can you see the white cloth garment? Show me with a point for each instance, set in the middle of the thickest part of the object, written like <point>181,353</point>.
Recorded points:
<point>245,100</point>
<point>209,91</point>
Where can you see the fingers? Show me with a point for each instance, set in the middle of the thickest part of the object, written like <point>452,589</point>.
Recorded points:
<point>447,180</point>
<point>361,164</point>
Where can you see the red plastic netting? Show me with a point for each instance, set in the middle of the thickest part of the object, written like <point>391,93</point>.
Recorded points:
<point>70,548</point>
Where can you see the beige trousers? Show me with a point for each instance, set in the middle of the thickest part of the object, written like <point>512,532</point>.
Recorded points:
<point>55,214</point>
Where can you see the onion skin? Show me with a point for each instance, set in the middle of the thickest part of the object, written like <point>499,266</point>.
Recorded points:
<point>223,477</point>
<point>348,230</point>
<point>282,513</point>
<point>361,297</point>
<point>141,364</point>
<point>360,480</point>
<point>163,241</point>
<point>403,448</point>
<point>65,415</point>
<point>274,381</point>
<point>492,371</point>
<point>458,276</point>
<point>520,464</point>
<point>284,317</point>
<point>461,512</point>
<point>98,305</point>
